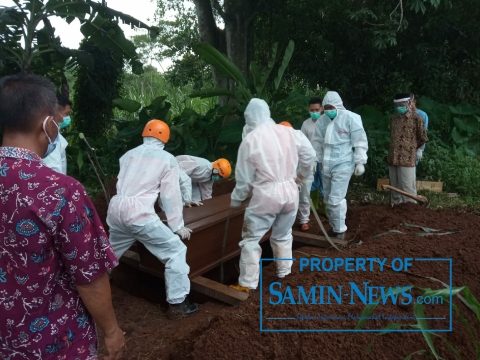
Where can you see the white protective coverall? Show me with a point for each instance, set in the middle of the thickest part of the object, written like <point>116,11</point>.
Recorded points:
<point>185,186</point>
<point>333,142</point>
<point>200,172</point>
<point>57,160</point>
<point>308,129</point>
<point>267,166</point>
<point>145,172</point>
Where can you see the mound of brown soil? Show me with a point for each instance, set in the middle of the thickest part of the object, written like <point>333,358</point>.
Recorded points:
<point>235,332</point>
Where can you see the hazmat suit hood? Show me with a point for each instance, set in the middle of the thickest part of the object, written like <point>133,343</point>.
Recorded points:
<point>332,98</point>
<point>256,114</point>
<point>151,141</point>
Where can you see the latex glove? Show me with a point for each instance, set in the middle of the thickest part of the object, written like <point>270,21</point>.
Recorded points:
<point>419,154</point>
<point>193,203</point>
<point>184,233</point>
<point>314,168</point>
<point>300,180</point>
<point>235,204</point>
<point>359,169</point>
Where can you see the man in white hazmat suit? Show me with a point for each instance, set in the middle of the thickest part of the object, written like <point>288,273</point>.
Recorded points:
<point>148,173</point>
<point>267,166</point>
<point>303,214</point>
<point>202,174</point>
<point>336,133</point>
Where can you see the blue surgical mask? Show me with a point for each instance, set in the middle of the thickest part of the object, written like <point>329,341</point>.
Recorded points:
<point>216,178</point>
<point>52,144</point>
<point>332,114</point>
<point>402,110</point>
<point>66,121</point>
<point>315,115</point>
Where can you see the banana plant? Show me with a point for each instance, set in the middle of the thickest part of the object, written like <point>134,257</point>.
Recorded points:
<point>459,124</point>
<point>245,89</point>
<point>21,40</point>
<point>284,107</point>
<point>191,133</point>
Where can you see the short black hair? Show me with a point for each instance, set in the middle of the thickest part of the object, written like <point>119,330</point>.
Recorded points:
<point>315,100</point>
<point>22,99</point>
<point>63,100</point>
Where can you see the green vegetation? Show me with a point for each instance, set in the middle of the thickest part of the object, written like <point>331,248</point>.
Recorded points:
<point>419,310</point>
<point>366,51</point>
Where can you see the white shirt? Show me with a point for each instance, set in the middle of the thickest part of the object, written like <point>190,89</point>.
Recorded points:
<point>57,160</point>
<point>308,128</point>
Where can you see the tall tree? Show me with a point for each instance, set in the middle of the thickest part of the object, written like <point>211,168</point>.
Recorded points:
<point>24,42</point>
<point>96,87</point>
<point>368,50</point>
<point>225,25</point>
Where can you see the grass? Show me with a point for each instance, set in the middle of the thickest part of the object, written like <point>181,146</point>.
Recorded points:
<point>358,194</point>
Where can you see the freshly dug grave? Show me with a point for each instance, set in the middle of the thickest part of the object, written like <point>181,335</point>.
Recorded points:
<point>224,332</point>
<point>235,332</point>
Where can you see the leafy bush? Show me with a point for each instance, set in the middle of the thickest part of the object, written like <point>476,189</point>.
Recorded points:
<point>458,171</point>
<point>144,88</point>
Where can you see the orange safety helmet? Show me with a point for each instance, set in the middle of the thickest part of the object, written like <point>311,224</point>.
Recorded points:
<point>157,129</point>
<point>286,123</point>
<point>224,168</point>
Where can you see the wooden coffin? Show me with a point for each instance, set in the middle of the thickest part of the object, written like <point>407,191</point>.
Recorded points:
<point>204,249</point>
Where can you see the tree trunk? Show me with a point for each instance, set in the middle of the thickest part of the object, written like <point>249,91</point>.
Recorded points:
<point>235,41</point>
<point>212,35</point>
<point>238,16</point>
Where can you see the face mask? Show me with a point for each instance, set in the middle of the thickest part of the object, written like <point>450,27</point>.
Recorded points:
<point>401,110</point>
<point>52,144</point>
<point>332,114</point>
<point>315,115</point>
<point>216,178</point>
<point>66,121</point>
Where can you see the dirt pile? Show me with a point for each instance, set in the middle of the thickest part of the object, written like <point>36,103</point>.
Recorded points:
<point>235,332</point>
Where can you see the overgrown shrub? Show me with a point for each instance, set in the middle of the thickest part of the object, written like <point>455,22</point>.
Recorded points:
<point>459,172</point>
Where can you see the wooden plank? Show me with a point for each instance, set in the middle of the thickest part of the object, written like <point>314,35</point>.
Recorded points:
<point>316,240</point>
<point>430,186</point>
<point>381,182</point>
<point>421,185</point>
<point>200,284</point>
<point>218,291</point>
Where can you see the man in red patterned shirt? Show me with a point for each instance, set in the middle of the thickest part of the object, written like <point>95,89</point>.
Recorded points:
<point>54,253</point>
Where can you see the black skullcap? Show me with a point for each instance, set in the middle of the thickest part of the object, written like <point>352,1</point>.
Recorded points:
<point>402,96</point>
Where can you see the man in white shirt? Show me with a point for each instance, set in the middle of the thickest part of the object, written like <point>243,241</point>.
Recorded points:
<point>308,129</point>
<point>57,160</point>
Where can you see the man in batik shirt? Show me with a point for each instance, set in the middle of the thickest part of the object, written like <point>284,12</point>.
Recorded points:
<point>54,253</point>
<point>407,139</point>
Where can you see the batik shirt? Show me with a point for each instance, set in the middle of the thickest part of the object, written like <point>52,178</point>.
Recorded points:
<point>407,134</point>
<point>50,240</point>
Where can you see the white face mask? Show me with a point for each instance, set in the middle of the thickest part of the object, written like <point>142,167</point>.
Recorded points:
<point>52,144</point>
